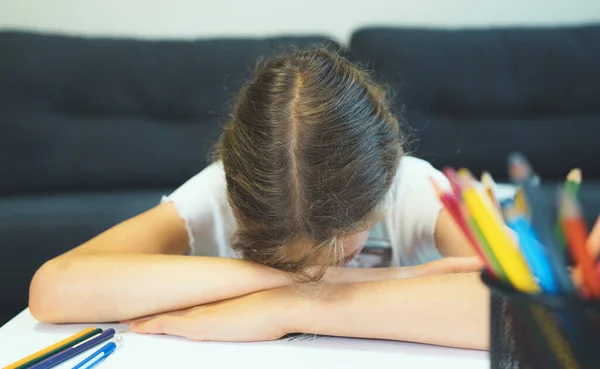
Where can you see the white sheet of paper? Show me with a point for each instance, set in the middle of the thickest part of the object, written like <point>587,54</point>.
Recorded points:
<point>23,336</point>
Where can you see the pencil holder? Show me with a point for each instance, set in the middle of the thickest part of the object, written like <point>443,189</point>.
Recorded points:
<point>542,331</point>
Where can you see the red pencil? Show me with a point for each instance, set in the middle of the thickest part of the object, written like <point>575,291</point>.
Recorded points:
<point>451,203</point>
<point>576,235</point>
<point>450,173</point>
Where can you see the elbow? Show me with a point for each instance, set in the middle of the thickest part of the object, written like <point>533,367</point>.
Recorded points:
<point>44,303</point>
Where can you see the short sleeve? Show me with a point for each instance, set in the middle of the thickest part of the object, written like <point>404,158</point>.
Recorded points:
<point>202,203</point>
<point>413,212</point>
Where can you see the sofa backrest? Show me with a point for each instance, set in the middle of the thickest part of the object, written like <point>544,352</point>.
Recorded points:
<point>88,114</point>
<point>472,96</point>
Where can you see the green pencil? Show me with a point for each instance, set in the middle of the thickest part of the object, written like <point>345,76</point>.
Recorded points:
<point>571,187</point>
<point>486,249</point>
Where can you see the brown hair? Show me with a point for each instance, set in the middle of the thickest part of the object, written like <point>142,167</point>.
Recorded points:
<point>309,154</point>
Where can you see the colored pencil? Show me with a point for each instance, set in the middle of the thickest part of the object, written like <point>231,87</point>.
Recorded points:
<point>571,186</point>
<point>450,173</point>
<point>520,202</point>
<point>541,219</point>
<point>485,246</point>
<point>494,265</point>
<point>576,235</point>
<point>532,250</point>
<point>98,356</point>
<point>453,206</point>
<point>75,350</point>
<point>573,182</point>
<point>53,349</point>
<point>489,188</point>
<point>503,246</point>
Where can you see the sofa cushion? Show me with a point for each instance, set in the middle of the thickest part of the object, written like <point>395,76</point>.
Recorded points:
<point>95,114</point>
<point>474,95</point>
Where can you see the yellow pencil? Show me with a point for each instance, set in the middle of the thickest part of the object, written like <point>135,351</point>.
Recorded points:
<point>489,186</point>
<point>503,246</point>
<point>520,202</point>
<point>49,349</point>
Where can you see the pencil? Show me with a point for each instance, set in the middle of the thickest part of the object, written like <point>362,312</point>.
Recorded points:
<point>541,219</point>
<point>532,250</point>
<point>571,186</point>
<point>485,246</point>
<point>573,182</point>
<point>453,206</point>
<point>576,235</point>
<point>75,350</point>
<point>503,246</point>
<point>520,202</point>
<point>489,187</point>
<point>450,173</point>
<point>53,349</point>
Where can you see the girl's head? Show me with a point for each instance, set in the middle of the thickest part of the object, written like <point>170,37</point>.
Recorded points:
<point>309,154</point>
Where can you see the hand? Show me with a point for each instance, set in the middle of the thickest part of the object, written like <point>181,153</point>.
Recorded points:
<point>254,317</point>
<point>443,266</point>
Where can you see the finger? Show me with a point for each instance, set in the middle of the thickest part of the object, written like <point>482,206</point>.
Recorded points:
<point>137,320</point>
<point>464,265</point>
<point>450,265</point>
<point>165,324</point>
<point>460,265</point>
<point>145,318</point>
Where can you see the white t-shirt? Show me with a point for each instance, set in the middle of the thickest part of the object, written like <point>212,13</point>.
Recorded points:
<point>407,231</point>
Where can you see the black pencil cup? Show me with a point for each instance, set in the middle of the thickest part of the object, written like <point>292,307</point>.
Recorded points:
<point>542,331</point>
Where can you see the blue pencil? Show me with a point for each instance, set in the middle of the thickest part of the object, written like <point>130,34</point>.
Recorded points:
<point>532,250</point>
<point>100,355</point>
<point>541,220</point>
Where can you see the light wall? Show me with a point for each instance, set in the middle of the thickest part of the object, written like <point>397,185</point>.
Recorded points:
<point>338,18</point>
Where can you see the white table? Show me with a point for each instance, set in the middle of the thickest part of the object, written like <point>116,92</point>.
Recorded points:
<point>23,335</point>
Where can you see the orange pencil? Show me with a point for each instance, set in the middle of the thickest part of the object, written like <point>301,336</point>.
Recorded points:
<point>576,235</point>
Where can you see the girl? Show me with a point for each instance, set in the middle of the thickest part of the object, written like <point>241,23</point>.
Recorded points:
<point>310,169</point>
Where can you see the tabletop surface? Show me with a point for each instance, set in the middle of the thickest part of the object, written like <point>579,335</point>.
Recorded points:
<point>23,335</point>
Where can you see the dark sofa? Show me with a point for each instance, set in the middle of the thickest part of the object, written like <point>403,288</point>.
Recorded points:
<point>472,96</point>
<point>94,131</point>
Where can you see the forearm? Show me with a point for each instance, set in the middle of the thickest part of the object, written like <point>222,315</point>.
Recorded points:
<point>448,310</point>
<point>104,288</point>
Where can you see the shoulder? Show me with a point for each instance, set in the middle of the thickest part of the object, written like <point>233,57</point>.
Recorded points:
<point>202,203</point>
<point>202,187</point>
<point>414,175</point>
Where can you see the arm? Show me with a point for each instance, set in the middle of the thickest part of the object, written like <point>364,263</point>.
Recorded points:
<point>138,268</point>
<point>450,310</point>
<point>449,238</point>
